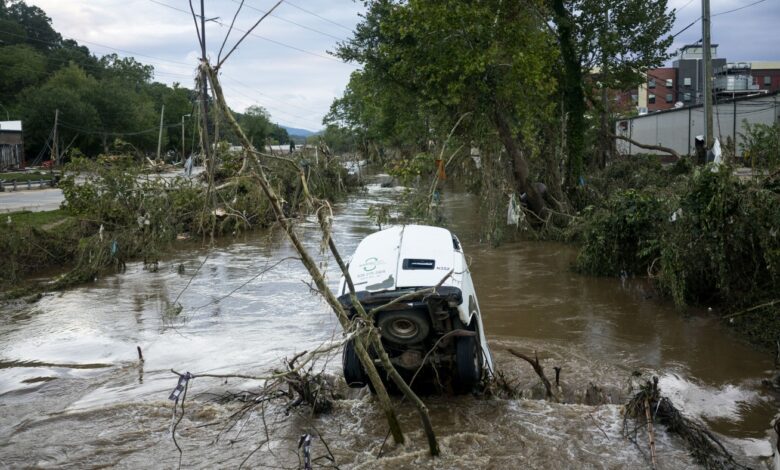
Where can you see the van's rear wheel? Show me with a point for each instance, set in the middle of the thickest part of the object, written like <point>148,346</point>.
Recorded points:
<point>354,373</point>
<point>468,364</point>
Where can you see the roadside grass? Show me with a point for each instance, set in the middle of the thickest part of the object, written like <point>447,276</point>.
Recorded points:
<point>19,176</point>
<point>41,220</point>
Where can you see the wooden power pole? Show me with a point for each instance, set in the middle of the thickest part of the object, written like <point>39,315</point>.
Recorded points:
<point>55,151</point>
<point>159,136</point>
<point>204,90</point>
<point>706,44</point>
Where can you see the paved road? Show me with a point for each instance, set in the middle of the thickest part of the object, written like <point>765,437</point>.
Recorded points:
<point>35,200</point>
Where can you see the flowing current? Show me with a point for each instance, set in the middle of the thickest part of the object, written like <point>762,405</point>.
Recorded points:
<point>73,393</point>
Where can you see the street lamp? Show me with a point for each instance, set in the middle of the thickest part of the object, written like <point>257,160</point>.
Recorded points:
<point>183,155</point>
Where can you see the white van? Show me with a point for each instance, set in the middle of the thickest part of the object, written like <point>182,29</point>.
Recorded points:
<point>439,334</point>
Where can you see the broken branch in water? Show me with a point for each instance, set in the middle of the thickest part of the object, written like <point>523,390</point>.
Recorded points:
<point>550,394</point>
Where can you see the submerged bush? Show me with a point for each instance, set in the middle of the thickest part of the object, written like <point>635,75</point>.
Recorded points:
<point>624,235</point>
<point>713,240</point>
<point>726,245</point>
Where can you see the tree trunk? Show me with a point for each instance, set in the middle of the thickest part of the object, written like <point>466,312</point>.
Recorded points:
<point>519,165</point>
<point>573,95</point>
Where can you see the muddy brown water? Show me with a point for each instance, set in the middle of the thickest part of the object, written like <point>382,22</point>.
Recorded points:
<point>73,394</point>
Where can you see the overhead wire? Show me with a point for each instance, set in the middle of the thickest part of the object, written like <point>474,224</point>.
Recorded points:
<point>319,16</point>
<point>273,41</point>
<point>280,18</point>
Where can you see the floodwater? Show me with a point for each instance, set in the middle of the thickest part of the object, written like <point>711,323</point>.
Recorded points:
<point>73,393</point>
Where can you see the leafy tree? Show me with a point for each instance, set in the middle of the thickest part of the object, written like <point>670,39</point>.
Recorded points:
<point>33,20</point>
<point>69,90</point>
<point>20,67</point>
<point>11,32</point>
<point>620,38</point>
<point>279,135</point>
<point>126,69</point>
<point>256,124</point>
<point>491,59</point>
<point>70,52</point>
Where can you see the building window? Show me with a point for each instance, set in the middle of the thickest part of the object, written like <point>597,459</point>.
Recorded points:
<point>767,80</point>
<point>651,98</point>
<point>635,99</point>
<point>669,97</point>
<point>651,83</point>
<point>687,81</point>
<point>686,97</point>
<point>669,83</point>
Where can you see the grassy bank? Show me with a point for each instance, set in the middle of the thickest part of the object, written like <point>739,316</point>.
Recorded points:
<point>114,215</point>
<point>22,176</point>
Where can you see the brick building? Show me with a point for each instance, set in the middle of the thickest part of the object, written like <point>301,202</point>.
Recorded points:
<point>766,74</point>
<point>661,92</point>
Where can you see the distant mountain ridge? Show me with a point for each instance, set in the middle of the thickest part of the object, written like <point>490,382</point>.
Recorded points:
<point>295,131</point>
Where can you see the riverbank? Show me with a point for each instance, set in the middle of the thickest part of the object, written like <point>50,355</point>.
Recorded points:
<point>112,215</point>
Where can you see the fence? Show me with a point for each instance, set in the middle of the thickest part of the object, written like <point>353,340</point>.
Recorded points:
<point>677,128</point>
<point>13,185</point>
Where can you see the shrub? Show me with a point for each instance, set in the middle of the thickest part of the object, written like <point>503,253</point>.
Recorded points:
<point>624,235</point>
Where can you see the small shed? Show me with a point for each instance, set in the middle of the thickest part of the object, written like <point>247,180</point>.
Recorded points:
<point>11,145</point>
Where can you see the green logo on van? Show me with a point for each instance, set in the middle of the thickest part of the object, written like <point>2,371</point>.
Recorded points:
<point>370,264</point>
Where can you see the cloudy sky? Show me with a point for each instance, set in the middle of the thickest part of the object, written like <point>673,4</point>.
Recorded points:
<point>284,66</point>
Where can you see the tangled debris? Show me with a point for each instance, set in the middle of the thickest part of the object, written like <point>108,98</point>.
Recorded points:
<point>647,406</point>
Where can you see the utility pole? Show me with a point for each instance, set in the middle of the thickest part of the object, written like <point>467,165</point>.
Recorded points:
<point>204,88</point>
<point>55,154</point>
<point>159,137</point>
<point>705,35</point>
<point>183,154</point>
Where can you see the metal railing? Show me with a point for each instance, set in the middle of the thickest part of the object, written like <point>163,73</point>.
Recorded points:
<point>14,185</point>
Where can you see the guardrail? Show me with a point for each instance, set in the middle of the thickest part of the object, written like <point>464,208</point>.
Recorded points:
<point>14,185</point>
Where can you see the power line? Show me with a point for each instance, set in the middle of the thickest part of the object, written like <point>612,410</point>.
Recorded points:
<point>683,7</point>
<point>292,22</point>
<point>716,14</point>
<point>268,96</point>
<point>279,43</point>
<point>739,8</point>
<point>105,132</point>
<point>319,16</point>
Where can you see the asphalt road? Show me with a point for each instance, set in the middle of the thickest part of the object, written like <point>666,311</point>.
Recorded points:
<point>35,200</point>
<point>38,200</point>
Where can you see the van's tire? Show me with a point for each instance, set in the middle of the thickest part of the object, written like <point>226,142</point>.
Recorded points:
<point>354,374</point>
<point>468,363</point>
<point>404,326</point>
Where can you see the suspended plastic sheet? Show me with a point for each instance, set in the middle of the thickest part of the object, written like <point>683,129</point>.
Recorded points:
<point>717,153</point>
<point>513,212</point>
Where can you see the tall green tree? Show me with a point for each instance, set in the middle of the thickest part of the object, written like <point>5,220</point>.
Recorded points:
<point>256,123</point>
<point>36,24</point>
<point>20,66</point>
<point>619,38</point>
<point>70,90</point>
<point>490,59</point>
